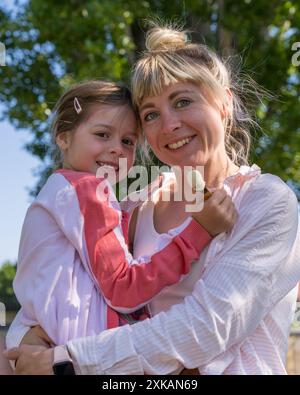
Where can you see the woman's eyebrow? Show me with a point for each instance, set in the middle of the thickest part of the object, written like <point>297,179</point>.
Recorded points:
<point>147,105</point>
<point>171,97</point>
<point>176,93</point>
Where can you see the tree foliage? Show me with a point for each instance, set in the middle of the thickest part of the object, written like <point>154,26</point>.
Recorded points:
<point>7,296</point>
<point>51,45</point>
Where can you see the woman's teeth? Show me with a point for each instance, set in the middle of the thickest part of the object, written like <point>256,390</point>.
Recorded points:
<point>180,143</point>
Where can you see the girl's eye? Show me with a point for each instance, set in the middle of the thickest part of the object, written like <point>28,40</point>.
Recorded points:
<point>150,116</point>
<point>103,134</point>
<point>128,142</point>
<point>183,103</point>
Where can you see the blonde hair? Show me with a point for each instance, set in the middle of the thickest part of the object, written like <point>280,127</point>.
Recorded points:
<point>171,57</point>
<point>76,103</point>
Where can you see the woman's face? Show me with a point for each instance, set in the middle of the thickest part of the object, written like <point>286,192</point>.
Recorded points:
<point>184,125</point>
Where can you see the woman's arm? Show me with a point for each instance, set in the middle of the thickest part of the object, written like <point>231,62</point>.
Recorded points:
<point>237,290</point>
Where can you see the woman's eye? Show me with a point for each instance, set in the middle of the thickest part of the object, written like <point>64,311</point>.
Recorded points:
<point>150,116</point>
<point>183,103</point>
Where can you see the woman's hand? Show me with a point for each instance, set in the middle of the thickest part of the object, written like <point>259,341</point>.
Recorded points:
<point>32,360</point>
<point>218,214</point>
<point>190,372</point>
<point>36,336</point>
<point>5,368</point>
<point>29,356</point>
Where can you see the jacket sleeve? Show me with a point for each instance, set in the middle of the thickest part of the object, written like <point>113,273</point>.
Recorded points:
<point>18,329</point>
<point>51,284</point>
<point>127,283</point>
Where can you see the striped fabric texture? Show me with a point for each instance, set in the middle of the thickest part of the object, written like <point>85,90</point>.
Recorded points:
<point>237,319</point>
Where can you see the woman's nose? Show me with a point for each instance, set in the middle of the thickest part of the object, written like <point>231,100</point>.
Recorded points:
<point>169,122</point>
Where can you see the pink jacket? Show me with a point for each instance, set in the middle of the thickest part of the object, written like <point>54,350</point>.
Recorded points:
<point>74,262</point>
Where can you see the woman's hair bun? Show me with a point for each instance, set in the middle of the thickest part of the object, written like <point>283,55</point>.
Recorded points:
<point>162,38</point>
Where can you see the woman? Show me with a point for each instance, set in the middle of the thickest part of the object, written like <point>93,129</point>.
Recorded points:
<point>237,318</point>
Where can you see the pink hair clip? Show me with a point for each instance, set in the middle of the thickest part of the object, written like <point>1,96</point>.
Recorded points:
<point>77,106</point>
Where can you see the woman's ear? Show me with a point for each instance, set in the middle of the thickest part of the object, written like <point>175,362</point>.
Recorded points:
<point>63,140</point>
<point>227,107</point>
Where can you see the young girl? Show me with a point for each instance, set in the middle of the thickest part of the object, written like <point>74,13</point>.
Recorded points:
<point>74,264</point>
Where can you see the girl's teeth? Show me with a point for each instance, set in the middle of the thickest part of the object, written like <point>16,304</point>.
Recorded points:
<point>179,143</point>
<point>106,165</point>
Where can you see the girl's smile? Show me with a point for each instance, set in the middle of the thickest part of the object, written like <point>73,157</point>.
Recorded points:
<point>106,136</point>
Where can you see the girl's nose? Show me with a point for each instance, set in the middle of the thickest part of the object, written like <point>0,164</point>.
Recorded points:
<point>116,149</point>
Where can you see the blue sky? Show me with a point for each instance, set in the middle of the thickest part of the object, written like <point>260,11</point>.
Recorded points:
<point>16,175</point>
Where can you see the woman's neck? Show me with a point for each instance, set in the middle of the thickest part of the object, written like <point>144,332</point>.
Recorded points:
<point>214,176</point>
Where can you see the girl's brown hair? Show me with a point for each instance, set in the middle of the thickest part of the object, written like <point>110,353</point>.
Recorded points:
<point>76,104</point>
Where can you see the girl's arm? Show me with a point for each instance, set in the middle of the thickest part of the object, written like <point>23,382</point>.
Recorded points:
<point>63,241</point>
<point>127,283</point>
<point>239,287</point>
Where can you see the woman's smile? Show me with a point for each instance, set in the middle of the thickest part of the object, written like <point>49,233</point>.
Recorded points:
<point>177,144</point>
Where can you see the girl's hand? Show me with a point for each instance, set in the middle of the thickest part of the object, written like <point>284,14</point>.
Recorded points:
<point>36,336</point>
<point>218,214</point>
<point>32,360</point>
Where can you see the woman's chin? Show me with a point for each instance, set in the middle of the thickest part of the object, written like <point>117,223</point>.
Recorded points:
<point>188,163</point>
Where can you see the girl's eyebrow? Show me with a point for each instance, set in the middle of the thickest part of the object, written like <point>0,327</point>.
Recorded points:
<point>101,125</point>
<point>130,132</point>
<point>172,95</point>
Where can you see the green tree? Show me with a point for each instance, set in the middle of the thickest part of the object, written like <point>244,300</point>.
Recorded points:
<point>7,296</point>
<point>51,45</point>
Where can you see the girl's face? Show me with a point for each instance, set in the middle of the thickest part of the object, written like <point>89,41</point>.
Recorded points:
<point>107,135</point>
<point>184,126</point>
